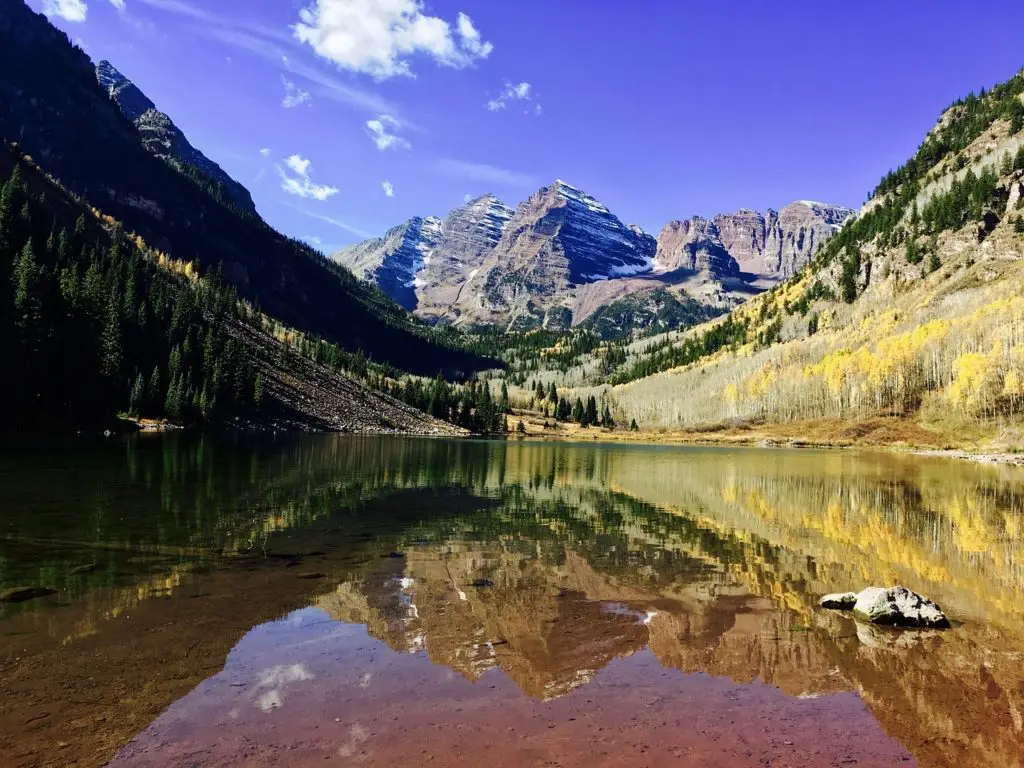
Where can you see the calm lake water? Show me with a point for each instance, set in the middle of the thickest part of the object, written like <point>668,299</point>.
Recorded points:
<point>331,600</point>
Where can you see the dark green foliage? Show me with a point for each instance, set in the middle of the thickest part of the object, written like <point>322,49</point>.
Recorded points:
<point>965,201</point>
<point>913,251</point>
<point>578,413</point>
<point>590,412</point>
<point>654,312</point>
<point>606,419</point>
<point>469,405</point>
<point>93,327</point>
<point>1018,225</point>
<point>849,275</point>
<point>812,324</point>
<point>633,427</point>
<point>662,357</point>
<point>503,404</point>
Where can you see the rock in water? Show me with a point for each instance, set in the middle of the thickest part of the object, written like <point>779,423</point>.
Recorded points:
<point>839,601</point>
<point>898,606</point>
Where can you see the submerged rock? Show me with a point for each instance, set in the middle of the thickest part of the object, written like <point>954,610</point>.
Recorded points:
<point>893,606</point>
<point>23,594</point>
<point>840,601</point>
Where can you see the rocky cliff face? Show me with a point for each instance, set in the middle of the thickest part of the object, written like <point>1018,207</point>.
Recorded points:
<point>779,244</point>
<point>393,262</point>
<point>161,136</point>
<point>694,245</point>
<point>562,255</point>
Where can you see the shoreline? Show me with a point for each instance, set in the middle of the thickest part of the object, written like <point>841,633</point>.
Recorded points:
<point>882,433</point>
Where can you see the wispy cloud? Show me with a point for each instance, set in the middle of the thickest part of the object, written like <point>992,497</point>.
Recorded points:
<point>379,38</point>
<point>69,10</point>
<point>382,131</point>
<point>513,92</point>
<point>334,222</point>
<point>119,4</point>
<point>293,95</point>
<point>483,172</point>
<point>388,187</point>
<point>296,180</point>
<point>265,152</point>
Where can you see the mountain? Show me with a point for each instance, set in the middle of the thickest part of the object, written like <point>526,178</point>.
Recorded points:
<point>52,104</point>
<point>161,136</point>
<point>779,243</point>
<point>562,256</point>
<point>907,325</point>
<point>557,239</point>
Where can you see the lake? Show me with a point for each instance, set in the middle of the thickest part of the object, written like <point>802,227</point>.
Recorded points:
<point>337,600</point>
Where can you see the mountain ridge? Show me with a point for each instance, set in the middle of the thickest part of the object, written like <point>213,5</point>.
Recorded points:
<point>561,255</point>
<point>161,136</point>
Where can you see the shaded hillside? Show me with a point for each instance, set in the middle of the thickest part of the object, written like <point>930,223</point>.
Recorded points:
<point>52,104</point>
<point>96,323</point>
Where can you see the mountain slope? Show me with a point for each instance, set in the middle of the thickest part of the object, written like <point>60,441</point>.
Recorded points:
<point>161,136</point>
<point>52,104</point>
<point>96,323</point>
<point>913,311</point>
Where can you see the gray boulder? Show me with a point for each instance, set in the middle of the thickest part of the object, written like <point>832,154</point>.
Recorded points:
<point>892,606</point>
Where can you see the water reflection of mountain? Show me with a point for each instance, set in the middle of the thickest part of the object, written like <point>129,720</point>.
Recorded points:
<point>725,583</point>
<point>712,558</point>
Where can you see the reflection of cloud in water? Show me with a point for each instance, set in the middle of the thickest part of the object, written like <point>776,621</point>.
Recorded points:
<point>357,735</point>
<point>277,678</point>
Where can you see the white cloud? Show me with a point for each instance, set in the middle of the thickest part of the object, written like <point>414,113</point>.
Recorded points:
<point>265,152</point>
<point>70,10</point>
<point>314,241</point>
<point>381,130</point>
<point>119,4</point>
<point>388,187</point>
<point>467,197</point>
<point>269,43</point>
<point>378,37</point>
<point>513,92</point>
<point>293,95</point>
<point>299,183</point>
<point>483,172</point>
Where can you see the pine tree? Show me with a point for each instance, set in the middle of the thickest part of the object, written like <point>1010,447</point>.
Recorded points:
<point>111,356</point>
<point>503,403</point>
<point>606,419</point>
<point>633,427</point>
<point>138,396</point>
<point>552,393</point>
<point>257,392</point>
<point>590,415</point>
<point>154,392</point>
<point>578,412</point>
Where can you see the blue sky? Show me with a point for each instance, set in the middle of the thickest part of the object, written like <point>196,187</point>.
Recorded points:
<point>659,108</point>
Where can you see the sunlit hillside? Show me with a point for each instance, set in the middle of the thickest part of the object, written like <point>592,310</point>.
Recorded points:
<point>915,309</point>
